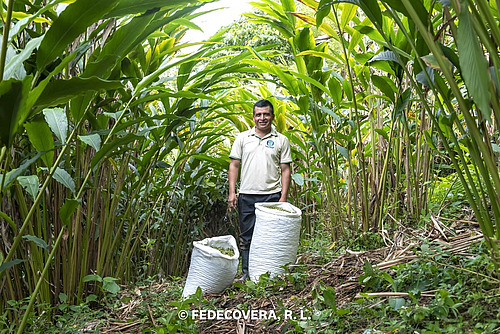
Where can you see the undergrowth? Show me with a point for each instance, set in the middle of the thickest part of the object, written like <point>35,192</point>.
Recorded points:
<point>445,293</point>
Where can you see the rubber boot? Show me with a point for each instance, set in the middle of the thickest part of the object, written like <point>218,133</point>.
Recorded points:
<point>244,264</point>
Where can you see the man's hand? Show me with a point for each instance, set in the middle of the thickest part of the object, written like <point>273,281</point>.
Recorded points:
<point>231,202</point>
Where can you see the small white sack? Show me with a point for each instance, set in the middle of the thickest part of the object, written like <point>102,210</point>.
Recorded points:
<point>275,238</point>
<point>211,270</point>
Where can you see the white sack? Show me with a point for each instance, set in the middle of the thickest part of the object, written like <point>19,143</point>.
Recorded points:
<point>275,238</point>
<point>211,270</point>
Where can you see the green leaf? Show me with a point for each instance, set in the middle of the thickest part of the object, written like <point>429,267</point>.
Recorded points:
<point>92,278</point>
<point>126,7</point>
<point>343,151</point>
<point>329,296</point>
<point>58,122</point>
<point>397,303</point>
<point>13,110</point>
<point>372,10</point>
<point>93,140</point>
<point>109,284</point>
<point>10,264</point>
<point>16,62</point>
<point>41,138</point>
<point>63,177</point>
<point>298,179</point>
<point>110,149</point>
<point>13,174</point>
<point>30,184</point>
<point>386,86</point>
<point>39,242</point>
<point>473,62</point>
<point>324,8</point>
<point>72,22</point>
<point>69,207</point>
<point>61,91</point>
<point>382,133</point>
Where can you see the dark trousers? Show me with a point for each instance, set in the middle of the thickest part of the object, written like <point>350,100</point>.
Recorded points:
<point>246,210</point>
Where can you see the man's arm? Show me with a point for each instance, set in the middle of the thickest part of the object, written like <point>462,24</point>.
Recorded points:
<point>285,181</point>
<point>234,167</point>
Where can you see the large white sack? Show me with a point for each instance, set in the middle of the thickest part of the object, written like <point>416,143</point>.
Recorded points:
<point>275,238</point>
<point>211,270</point>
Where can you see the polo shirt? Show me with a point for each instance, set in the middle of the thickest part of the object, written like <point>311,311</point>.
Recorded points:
<point>260,161</point>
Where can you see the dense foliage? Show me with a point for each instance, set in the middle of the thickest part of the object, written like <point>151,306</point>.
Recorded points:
<point>114,143</point>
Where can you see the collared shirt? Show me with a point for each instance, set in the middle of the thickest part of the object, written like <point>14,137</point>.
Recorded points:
<point>260,161</point>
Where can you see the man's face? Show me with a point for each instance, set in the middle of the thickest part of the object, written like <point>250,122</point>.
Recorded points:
<point>263,118</point>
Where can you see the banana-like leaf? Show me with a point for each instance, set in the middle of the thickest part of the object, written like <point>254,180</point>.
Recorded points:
<point>58,123</point>
<point>41,138</point>
<point>13,110</point>
<point>111,148</point>
<point>72,22</point>
<point>59,92</point>
<point>126,7</point>
<point>473,62</point>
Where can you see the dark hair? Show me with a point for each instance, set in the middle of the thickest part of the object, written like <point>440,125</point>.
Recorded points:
<point>263,104</point>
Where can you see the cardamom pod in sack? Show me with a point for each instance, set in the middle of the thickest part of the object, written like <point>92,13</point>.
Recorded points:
<point>275,238</point>
<point>212,269</point>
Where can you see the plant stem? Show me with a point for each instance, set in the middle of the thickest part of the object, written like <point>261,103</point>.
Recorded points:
<point>40,282</point>
<point>5,40</point>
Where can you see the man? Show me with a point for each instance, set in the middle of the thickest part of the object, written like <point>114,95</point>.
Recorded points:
<point>264,157</point>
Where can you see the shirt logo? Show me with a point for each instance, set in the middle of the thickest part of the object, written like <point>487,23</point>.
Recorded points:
<point>270,143</point>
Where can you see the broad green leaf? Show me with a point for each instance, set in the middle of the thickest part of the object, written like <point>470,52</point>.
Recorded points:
<point>67,210</point>
<point>397,303</point>
<point>30,184</point>
<point>422,78</point>
<point>371,9</point>
<point>93,140</point>
<point>324,8</point>
<point>10,264</point>
<point>72,22</point>
<point>15,173</point>
<point>473,62</point>
<point>63,177</point>
<point>298,179</point>
<point>402,102</point>
<point>61,91</point>
<point>346,85</point>
<point>109,149</point>
<point>383,133</point>
<point>16,62</point>
<point>109,284</point>
<point>385,56</point>
<point>13,110</point>
<point>348,12</point>
<point>41,138</point>
<point>58,123</point>
<point>37,241</point>
<point>386,86</point>
<point>343,151</point>
<point>329,297</point>
<point>126,7</point>
<point>92,278</point>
